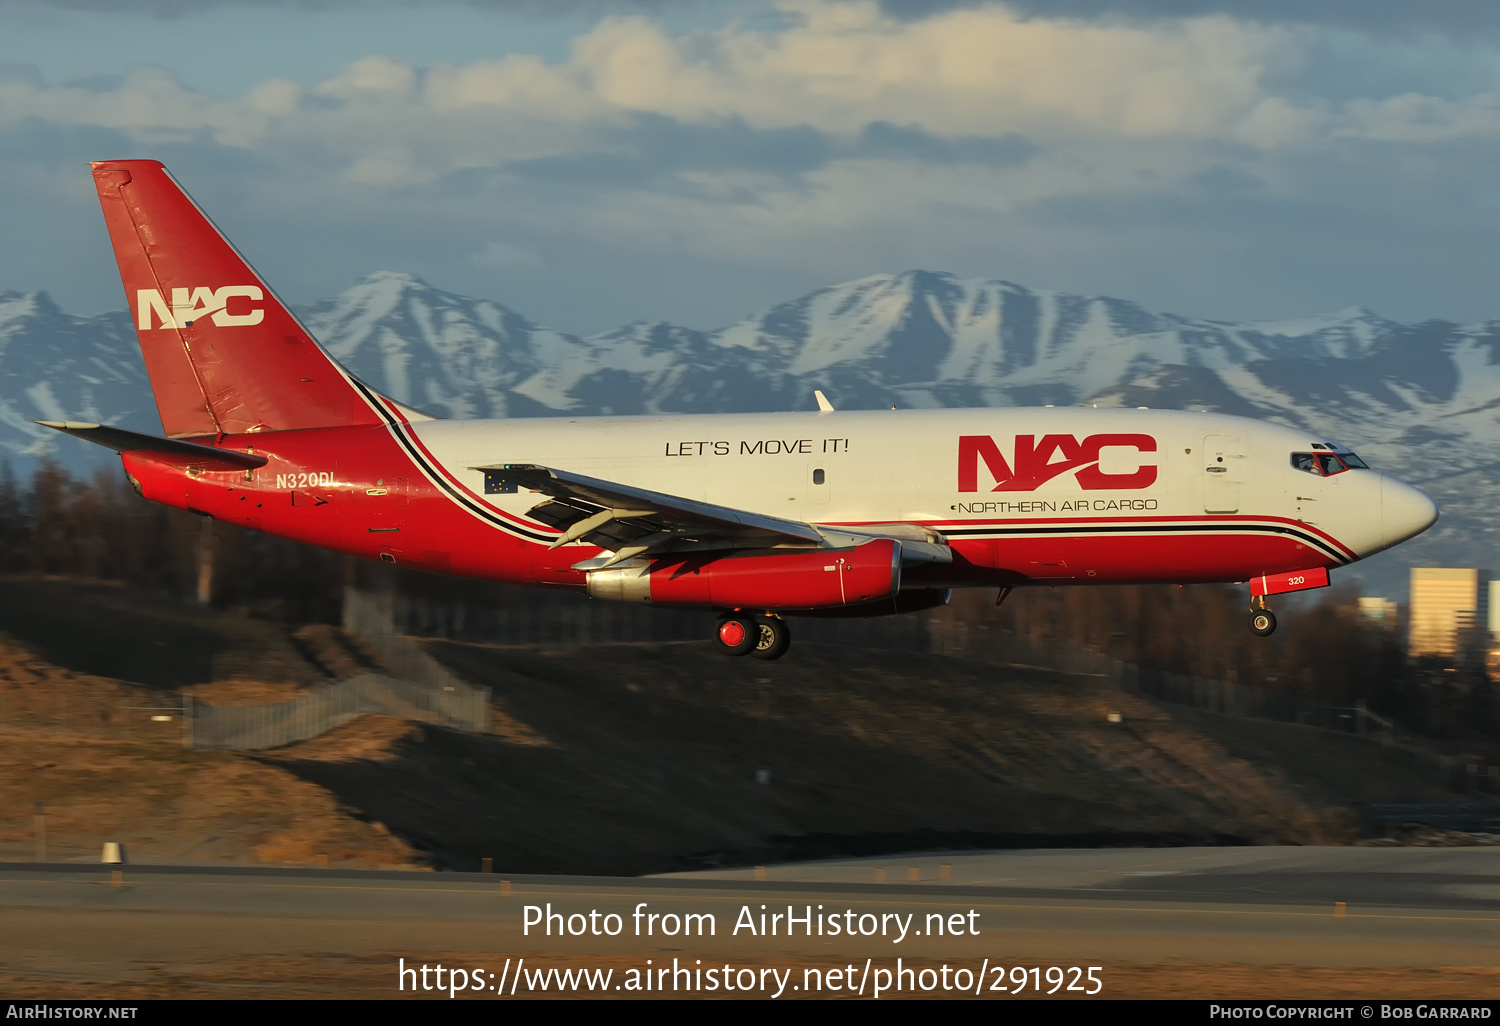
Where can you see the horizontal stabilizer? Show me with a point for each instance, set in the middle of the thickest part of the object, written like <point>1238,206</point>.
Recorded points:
<point>177,452</point>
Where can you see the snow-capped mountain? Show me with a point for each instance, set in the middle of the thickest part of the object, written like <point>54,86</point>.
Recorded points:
<point>54,366</point>
<point>455,356</point>
<point>1422,400</point>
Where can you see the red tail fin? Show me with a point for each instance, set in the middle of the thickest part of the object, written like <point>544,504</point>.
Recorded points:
<point>224,355</point>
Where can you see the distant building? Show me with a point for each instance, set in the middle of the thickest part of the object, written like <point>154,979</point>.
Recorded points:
<point>1380,611</point>
<point>1492,655</point>
<point>1449,612</point>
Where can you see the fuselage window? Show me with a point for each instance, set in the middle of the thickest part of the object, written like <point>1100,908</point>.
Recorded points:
<point>817,477</point>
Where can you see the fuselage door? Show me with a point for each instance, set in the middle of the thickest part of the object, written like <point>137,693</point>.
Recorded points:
<point>387,506</point>
<point>1223,473</point>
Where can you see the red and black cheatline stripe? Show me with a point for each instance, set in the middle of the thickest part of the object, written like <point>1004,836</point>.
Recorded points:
<point>400,429</point>
<point>1222,527</point>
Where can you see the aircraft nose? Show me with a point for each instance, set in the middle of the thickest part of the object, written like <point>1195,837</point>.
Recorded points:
<point>1404,511</point>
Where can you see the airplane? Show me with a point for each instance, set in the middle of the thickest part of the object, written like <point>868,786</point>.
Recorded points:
<point>757,517</point>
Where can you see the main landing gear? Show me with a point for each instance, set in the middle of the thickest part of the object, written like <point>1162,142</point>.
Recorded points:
<point>764,636</point>
<point>1262,620</point>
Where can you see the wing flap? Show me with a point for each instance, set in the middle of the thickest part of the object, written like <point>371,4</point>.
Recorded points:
<point>640,513</point>
<point>628,522</point>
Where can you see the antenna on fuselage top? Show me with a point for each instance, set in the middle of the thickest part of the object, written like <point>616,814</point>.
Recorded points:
<point>824,406</point>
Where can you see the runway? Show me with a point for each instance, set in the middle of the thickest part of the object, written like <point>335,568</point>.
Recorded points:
<point>1145,916</point>
<point>1433,878</point>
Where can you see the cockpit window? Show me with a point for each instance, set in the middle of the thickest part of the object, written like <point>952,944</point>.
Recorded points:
<point>1324,464</point>
<point>1329,464</point>
<point>1350,460</point>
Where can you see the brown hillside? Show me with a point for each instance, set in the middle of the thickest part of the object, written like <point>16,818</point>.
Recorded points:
<point>625,758</point>
<point>639,758</point>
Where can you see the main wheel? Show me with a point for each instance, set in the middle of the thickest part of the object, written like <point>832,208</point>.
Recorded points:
<point>737,634</point>
<point>1263,622</point>
<point>774,638</point>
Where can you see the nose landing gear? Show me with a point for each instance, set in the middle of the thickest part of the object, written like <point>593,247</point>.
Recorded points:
<point>1262,620</point>
<point>765,636</point>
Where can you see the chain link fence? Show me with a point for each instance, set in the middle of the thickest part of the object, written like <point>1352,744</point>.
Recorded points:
<point>242,728</point>
<point>421,689</point>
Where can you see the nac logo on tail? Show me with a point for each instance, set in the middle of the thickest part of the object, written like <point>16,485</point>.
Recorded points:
<point>188,305</point>
<point>1036,462</point>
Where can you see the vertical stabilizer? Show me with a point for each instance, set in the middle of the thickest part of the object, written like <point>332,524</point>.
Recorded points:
<point>225,356</point>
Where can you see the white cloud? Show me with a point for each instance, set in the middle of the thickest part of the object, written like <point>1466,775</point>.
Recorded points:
<point>974,71</point>
<point>1076,87</point>
<point>1418,119</point>
<point>1106,112</point>
<point>1089,94</point>
<point>151,106</point>
<point>374,78</point>
<point>837,66</point>
<point>393,167</point>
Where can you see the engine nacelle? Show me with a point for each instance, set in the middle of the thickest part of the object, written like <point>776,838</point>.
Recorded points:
<point>795,580</point>
<point>913,601</point>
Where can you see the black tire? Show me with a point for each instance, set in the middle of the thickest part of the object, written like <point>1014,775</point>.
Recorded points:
<point>736,635</point>
<point>1263,623</point>
<point>775,638</point>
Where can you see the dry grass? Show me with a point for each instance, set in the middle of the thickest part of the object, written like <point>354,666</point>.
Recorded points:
<point>167,803</point>
<point>86,746</point>
<point>367,739</point>
<point>229,693</point>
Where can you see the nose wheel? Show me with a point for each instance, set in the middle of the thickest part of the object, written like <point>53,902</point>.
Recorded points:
<point>1262,620</point>
<point>765,636</point>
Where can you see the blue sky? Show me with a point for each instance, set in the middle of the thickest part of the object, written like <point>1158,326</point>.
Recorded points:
<point>593,163</point>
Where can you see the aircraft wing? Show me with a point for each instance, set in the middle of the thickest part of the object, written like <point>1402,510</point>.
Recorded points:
<point>629,521</point>
<point>175,451</point>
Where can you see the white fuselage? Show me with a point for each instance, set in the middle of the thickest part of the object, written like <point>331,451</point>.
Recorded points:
<point>1215,477</point>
